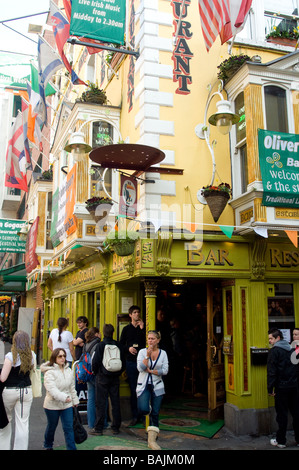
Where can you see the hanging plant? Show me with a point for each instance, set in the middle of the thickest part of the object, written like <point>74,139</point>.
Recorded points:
<point>217,198</point>
<point>94,202</point>
<point>121,241</point>
<point>93,94</point>
<point>230,66</point>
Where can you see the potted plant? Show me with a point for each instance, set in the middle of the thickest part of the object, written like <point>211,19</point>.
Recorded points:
<point>93,95</point>
<point>284,37</point>
<point>230,66</point>
<point>217,197</point>
<point>47,174</point>
<point>94,202</point>
<point>121,241</point>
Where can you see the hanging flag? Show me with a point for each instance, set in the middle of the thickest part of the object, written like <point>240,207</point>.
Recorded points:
<point>214,15</point>
<point>68,11</point>
<point>293,236</point>
<point>48,64</point>
<point>25,113</point>
<point>228,231</point>
<point>15,174</point>
<point>61,29</point>
<point>239,11</point>
<point>263,232</point>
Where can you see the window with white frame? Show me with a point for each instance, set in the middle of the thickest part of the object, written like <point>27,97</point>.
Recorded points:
<point>269,15</point>
<point>241,145</point>
<point>276,108</point>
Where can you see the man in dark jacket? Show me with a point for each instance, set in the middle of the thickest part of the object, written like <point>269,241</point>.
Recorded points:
<point>107,384</point>
<point>133,339</point>
<point>282,384</point>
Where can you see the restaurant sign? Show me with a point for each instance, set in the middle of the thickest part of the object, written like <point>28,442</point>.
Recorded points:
<point>279,163</point>
<point>9,238</point>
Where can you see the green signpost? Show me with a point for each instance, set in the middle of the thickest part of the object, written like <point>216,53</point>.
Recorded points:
<point>100,20</point>
<point>279,163</point>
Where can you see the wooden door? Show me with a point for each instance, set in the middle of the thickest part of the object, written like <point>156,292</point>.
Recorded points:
<point>215,360</point>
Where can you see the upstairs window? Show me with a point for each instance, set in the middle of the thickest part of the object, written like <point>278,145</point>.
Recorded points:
<point>268,15</point>
<point>276,109</point>
<point>241,145</point>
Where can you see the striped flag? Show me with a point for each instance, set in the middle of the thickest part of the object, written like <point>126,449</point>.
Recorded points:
<point>25,115</point>
<point>15,172</point>
<point>214,15</point>
<point>48,64</point>
<point>239,10</point>
<point>68,11</point>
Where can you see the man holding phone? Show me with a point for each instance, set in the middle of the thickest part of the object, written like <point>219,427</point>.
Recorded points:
<point>133,339</point>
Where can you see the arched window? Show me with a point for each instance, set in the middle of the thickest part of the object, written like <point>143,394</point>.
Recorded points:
<point>276,109</point>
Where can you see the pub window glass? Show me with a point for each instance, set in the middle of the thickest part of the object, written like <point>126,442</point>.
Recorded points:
<point>276,109</point>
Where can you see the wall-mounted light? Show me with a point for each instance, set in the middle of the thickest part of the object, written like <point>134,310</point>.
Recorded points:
<point>179,282</point>
<point>24,231</point>
<point>77,146</point>
<point>224,119</point>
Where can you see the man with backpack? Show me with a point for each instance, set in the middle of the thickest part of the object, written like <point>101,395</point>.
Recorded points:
<point>107,365</point>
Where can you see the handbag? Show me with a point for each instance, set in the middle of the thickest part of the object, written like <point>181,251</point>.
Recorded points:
<point>80,432</point>
<point>36,380</point>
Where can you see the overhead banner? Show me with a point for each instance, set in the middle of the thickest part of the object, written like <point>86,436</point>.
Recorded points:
<point>9,238</point>
<point>128,196</point>
<point>63,219</point>
<point>14,71</point>
<point>279,163</point>
<point>101,20</point>
<point>31,260</point>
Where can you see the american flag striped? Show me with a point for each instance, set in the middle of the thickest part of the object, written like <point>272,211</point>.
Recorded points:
<point>214,15</point>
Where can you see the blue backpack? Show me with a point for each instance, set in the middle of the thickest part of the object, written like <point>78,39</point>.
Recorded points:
<point>83,368</point>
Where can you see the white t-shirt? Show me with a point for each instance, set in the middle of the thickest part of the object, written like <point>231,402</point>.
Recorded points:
<point>66,338</point>
<point>18,361</point>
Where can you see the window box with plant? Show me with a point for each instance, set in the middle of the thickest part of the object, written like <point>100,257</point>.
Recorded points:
<point>230,66</point>
<point>283,37</point>
<point>121,241</point>
<point>217,198</point>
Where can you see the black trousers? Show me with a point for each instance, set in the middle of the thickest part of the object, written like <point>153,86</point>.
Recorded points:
<point>107,386</point>
<point>286,400</point>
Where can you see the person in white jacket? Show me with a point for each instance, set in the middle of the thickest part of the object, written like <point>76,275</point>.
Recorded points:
<point>60,398</point>
<point>152,364</point>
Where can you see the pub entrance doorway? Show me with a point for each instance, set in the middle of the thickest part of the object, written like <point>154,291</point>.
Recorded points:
<point>190,319</point>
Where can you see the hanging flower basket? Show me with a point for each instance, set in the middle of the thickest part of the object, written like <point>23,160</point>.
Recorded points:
<point>217,198</point>
<point>122,242</point>
<point>94,202</point>
<point>124,249</point>
<point>229,67</point>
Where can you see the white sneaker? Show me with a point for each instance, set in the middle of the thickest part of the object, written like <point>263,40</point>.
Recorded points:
<point>274,442</point>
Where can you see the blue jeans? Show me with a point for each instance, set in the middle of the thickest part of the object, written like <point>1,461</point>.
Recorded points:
<point>91,405</point>
<point>67,426</point>
<point>149,403</point>
<point>132,375</point>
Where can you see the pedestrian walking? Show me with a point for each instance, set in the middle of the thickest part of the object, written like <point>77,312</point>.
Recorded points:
<point>60,337</point>
<point>152,364</point>
<point>107,381</point>
<point>282,384</point>
<point>82,323</point>
<point>17,393</point>
<point>60,398</point>
<point>133,339</point>
<point>93,338</point>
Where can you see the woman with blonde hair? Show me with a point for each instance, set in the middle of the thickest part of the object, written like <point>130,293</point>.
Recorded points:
<point>17,393</point>
<point>152,364</point>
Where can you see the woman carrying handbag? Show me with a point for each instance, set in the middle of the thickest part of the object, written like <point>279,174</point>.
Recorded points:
<point>60,398</point>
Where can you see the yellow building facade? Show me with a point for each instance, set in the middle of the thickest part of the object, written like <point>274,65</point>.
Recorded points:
<point>215,281</point>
